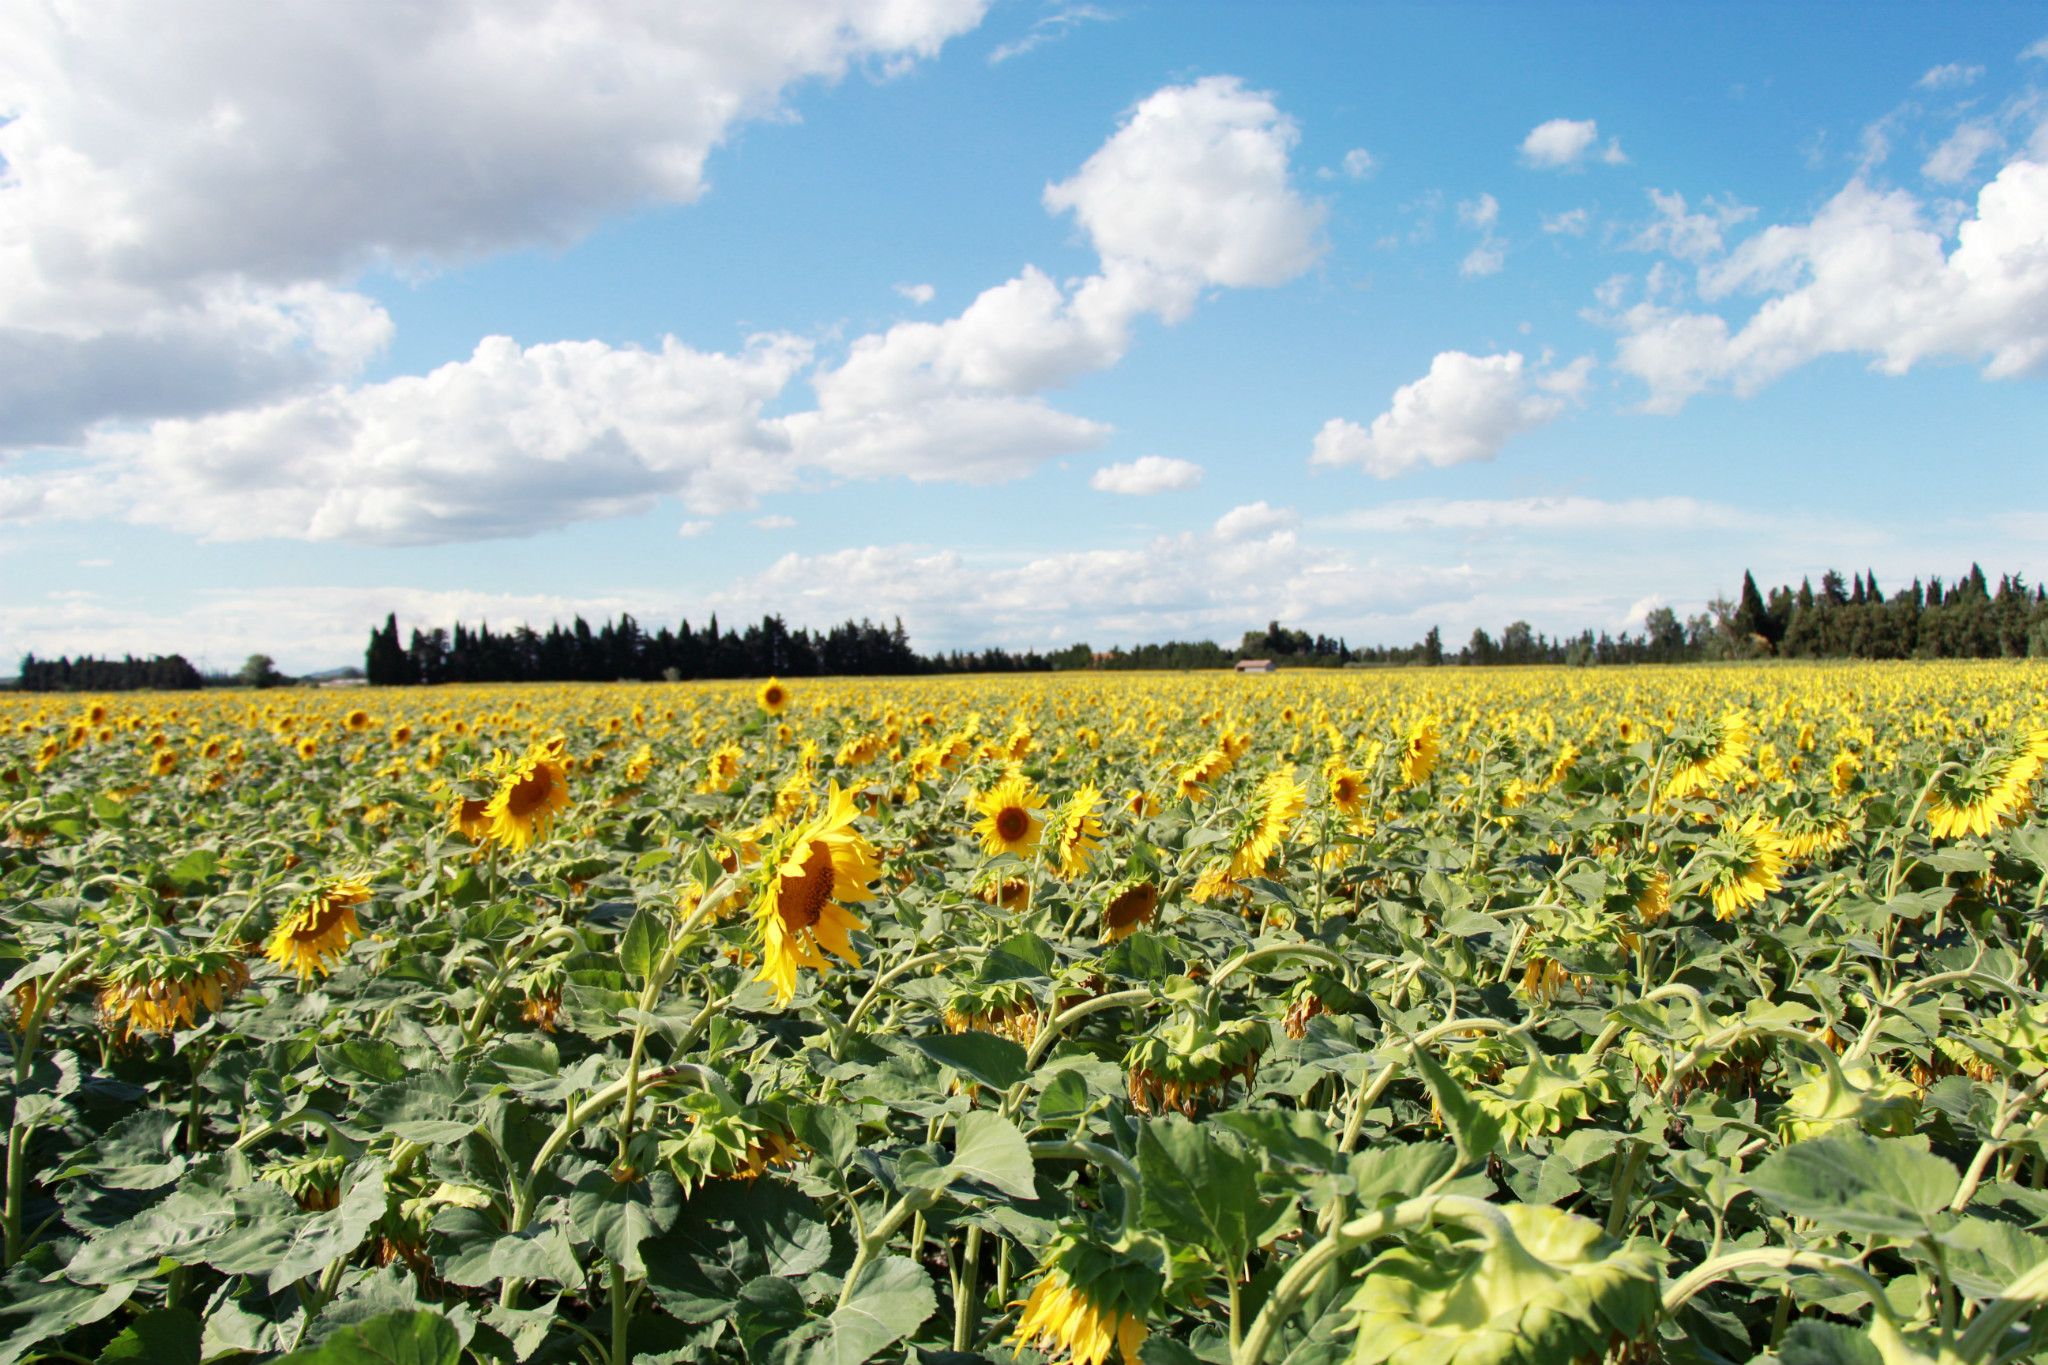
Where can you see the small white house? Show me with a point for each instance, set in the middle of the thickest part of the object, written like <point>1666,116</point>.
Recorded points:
<point>1255,666</point>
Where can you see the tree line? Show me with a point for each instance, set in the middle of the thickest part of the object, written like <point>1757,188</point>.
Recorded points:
<point>160,673</point>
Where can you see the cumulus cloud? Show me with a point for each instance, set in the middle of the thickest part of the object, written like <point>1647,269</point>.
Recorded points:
<point>507,442</point>
<point>189,188</point>
<point>1485,259</point>
<point>1690,236</point>
<point>1465,409</point>
<point>1571,223</point>
<point>1869,274</point>
<point>1191,192</point>
<point>919,294</point>
<point>1358,164</point>
<point>1254,519</point>
<point>774,522</point>
<point>1563,144</point>
<point>1146,475</point>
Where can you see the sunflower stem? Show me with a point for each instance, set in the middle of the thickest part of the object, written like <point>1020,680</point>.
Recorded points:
<point>967,1294</point>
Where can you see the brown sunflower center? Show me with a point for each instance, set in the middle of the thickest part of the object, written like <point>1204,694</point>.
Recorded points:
<point>530,793</point>
<point>1134,906</point>
<point>1013,823</point>
<point>800,900</point>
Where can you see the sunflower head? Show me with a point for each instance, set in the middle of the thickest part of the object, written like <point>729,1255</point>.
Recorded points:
<point>1073,834</point>
<point>1278,799</point>
<point>1419,753</point>
<point>773,696</point>
<point>531,792</point>
<point>163,763</point>
<point>1744,863</point>
<point>1133,905</point>
<point>161,992</point>
<point>1011,820</point>
<point>315,934</point>
<point>807,878</point>
<point>1094,1296</point>
<point>356,721</point>
<point>1994,790</point>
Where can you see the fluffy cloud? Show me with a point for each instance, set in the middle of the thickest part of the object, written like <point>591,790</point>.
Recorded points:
<point>1465,409</point>
<point>1563,144</point>
<point>188,188</point>
<point>507,442</point>
<point>1146,475</point>
<point>1190,193</point>
<point>1869,274</point>
<point>1689,236</point>
<point>919,294</point>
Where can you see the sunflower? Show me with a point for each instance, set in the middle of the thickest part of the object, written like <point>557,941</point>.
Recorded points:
<point>1192,782</point>
<point>1419,753</point>
<point>1708,754</point>
<point>1811,833</point>
<point>158,992</point>
<point>357,721</point>
<point>809,876</point>
<point>531,791</point>
<point>1093,1297</point>
<point>1348,789</point>
<point>1074,834</point>
<point>1653,896</point>
<point>1144,805</point>
<point>319,931</point>
<point>1843,772</point>
<point>1009,823</point>
<point>163,763</point>
<point>1747,860</point>
<point>1995,791</point>
<point>309,748</point>
<point>1135,905</point>
<point>1276,801</point>
<point>773,696</point>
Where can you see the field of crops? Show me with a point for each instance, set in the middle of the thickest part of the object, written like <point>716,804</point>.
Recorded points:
<point>1436,1017</point>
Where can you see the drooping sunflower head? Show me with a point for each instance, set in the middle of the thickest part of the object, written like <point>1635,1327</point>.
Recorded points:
<point>1843,772</point>
<point>1744,861</point>
<point>1093,1296</point>
<point>531,792</point>
<point>773,696</point>
<point>1133,905</point>
<point>1652,894</point>
<point>806,880</point>
<point>1276,802</point>
<point>1994,790</point>
<point>315,934</point>
<point>1707,754</point>
<point>1010,817</point>
<point>159,992</point>
<point>163,763</point>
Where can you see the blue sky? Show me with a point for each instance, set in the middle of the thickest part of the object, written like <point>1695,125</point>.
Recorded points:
<point>1029,323</point>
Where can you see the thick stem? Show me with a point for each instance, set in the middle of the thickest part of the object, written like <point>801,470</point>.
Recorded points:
<point>967,1298</point>
<point>1044,1041</point>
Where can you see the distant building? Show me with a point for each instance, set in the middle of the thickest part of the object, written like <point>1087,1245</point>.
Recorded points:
<point>1255,666</point>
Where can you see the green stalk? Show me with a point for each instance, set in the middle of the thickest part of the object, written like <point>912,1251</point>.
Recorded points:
<point>47,991</point>
<point>967,1294</point>
<point>1044,1041</point>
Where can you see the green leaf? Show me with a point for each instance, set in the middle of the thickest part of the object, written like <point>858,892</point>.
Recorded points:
<point>891,1298</point>
<point>989,1148</point>
<point>640,948</point>
<point>356,1060</point>
<point>168,1336</point>
<point>831,1133</point>
<point>1064,1101</point>
<point>1857,1184</point>
<point>1813,1342</point>
<point>618,1218</point>
<point>415,1338</point>
<point>983,1057</point>
<point>194,867</point>
<point>769,1309</point>
<point>1474,1130</point>
<point>1198,1190</point>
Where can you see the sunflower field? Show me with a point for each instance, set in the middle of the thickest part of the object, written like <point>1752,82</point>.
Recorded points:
<point>1431,1017</point>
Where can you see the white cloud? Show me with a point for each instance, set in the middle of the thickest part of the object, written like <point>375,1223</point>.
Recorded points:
<point>1949,75</point>
<point>1191,192</point>
<point>1146,475</point>
<point>774,522</point>
<point>1571,223</point>
<point>1359,163</point>
<point>2035,51</point>
<point>189,188</point>
<point>1555,515</point>
<point>1049,29</point>
<point>1485,259</point>
<point>1690,236</point>
<point>1481,213</point>
<point>690,530</point>
<point>1868,274</point>
<point>1955,160</point>
<point>919,294</point>
<point>1465,409</point>
<point>1563,144</point>
<point>505,443</point>
<point>1254,519</point>
<point>95,563</point>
